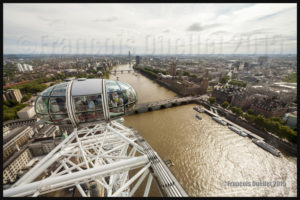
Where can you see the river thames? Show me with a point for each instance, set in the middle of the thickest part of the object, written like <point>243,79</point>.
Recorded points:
<point>210,159</point>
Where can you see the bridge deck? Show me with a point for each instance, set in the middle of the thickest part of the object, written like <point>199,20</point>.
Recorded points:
<point>166,101</point>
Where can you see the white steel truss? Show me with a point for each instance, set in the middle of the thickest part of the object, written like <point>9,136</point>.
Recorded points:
<point>102,155</point>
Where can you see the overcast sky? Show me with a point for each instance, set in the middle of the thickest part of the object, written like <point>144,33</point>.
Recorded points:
<point>150,28</point>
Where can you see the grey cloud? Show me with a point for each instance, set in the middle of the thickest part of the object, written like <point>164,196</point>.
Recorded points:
<point>198,27</point>
<point>195,27</point>
<point>166,31</point>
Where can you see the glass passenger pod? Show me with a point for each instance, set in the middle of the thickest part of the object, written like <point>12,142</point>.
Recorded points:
<point>87,100</point>
<point>87,97</point>
<point>121,98</point>
<point>51,105</point>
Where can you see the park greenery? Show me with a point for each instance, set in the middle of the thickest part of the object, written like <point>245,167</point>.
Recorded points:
<point>224,79</point>
<point>292,78</point>
<point>237,83</point>
<point>273,124</point>
<point>26,97</point>
<point>10,109</point>
<point>225,104</point>
<point>189,74</point>
<point>151,73</point>
<point>31,87</point>
<point>236,110</point>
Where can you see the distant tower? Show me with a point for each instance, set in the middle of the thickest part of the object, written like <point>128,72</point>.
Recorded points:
<point>173,69</point>
<point>204,82</point>
<point>137,60</point>
<point>129,58</point>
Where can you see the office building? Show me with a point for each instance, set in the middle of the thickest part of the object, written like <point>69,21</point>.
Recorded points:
<point>13,94</point>
<point>137,60</point>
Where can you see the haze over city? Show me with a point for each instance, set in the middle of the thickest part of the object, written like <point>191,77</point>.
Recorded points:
<point>150,28</point>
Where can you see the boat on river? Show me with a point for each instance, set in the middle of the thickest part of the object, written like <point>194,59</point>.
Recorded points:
<point>198,117</point>
<point>238,131</point>
<point>198,109</point>
<point>217,119</point>
<point>266,147</point>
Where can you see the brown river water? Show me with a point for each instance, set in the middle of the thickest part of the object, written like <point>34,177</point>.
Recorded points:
<point>210,159</point>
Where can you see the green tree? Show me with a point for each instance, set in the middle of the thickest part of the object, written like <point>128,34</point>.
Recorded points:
<point>225,104</point>
<point>250,117</point>
<point>291,78</point>
<point>26,97</point>
<point>225,79</point>
<point>278,119</point>
<point>212,100</point>
<point>11,103</point>
<point>237,111</point>
<point>259,120</point>
<point>251,111</point>
<point>186,73</point>
<point>238,83</point>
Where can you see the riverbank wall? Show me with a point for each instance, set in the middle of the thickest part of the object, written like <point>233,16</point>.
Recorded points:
<point>269,138</point>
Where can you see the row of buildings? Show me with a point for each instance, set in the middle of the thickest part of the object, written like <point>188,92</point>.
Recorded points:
<point>25,144</point>
<point>182,84</point>
<point>259,102</point>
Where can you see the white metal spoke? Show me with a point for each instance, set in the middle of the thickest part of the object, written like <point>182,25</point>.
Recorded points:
<point>147,189</point>
<point>131,180</point>
<point>137,185</point>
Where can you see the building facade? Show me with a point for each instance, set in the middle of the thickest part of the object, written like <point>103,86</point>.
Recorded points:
<point>13,94</point>
<point>226,93</point>
<point>26,113</point>
<point>269,107</point>
<point>15,140</point>
<point>137,60</point>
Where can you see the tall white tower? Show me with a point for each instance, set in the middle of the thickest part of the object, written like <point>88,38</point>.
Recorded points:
<point>129,58</point>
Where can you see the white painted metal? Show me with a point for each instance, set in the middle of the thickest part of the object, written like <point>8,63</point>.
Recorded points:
<point>149,181</point>
<point>105,154</point>
<point>69,103</point>
<point>87,155</point>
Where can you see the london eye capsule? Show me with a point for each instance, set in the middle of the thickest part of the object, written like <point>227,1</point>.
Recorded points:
<point>84,101</point>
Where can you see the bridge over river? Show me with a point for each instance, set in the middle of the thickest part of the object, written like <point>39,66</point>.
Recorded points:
<point>148,107</point>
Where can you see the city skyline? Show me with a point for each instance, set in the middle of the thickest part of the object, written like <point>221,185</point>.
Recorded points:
<point>150,29</point>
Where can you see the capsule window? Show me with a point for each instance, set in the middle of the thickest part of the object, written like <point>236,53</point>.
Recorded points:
<point>112,86</point>
<point>57,105</point>
<point>61,119</point>
<point>42,105</point>
<point>80,103</point>
<point>116,103</point>
<point>47,91</point>
<point>59,90</point>
<point>45,118</point>
<point>88,108</point>
<point>89,116</point>
<point>131,96</point>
